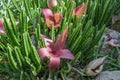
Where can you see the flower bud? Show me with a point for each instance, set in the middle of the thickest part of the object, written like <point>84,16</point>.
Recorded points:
<point>52,3</point>
<point>79,10</point>
<point>95,66</point>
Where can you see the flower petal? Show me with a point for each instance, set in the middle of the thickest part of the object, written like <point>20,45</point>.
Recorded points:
<point>61,40</point>
<point>78,11</point>
<point>113,42</point>
<point>43,52</point>
<point>109,37</point>
<point>48,17</point>
<point>54,62</point>
<point>47,13</point>
<point>65,53</point>
<point>57,19</point>
<point>1,27</point>
<point>49,23</point>
<point>48,42</point>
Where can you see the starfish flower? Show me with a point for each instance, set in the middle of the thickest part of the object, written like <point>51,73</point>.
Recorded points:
<point>55,51</point>
<point>78,11</point>
<point>52,19</point>
<point>1,27</point>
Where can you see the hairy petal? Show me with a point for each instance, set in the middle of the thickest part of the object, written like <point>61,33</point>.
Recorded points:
<point>49,23</point>
<point>54,62</point>
<point>65,53</point>
<point>57,19</point>
<point>113,42</point>
<point>61,40</point>
<point>47,13</point>
<point>48,42</point>
<point>78,11</point>
<point>43,52</point>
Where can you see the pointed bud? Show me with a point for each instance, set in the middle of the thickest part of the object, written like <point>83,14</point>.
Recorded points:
<point>78,11</point>
<point>52,3</point>
<point>95,66</point>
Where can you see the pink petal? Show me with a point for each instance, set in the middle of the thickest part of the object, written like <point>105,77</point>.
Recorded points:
<point>49,23</point>
<point>78,11</point>
<point>65,53</point>
<point>57,19</point>
<point>1,27</point>
<point>54,62</point>
<point>48,42</point>
<point>43,52</point>
<point>61,40</point>
<point>47,13</point>
<point>1,23</point>
<point>113,43</point>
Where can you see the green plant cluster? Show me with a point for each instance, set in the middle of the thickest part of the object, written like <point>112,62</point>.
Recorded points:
<point>18,47</point>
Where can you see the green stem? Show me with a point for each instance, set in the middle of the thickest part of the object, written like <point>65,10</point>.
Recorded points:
<point>80,72</point>
<point>49,77</point>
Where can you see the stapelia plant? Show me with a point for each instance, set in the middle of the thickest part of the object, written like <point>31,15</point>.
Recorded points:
<point>21,58</point>
<point>55,51</point>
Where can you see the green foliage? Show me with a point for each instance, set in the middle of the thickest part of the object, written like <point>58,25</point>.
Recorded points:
<point>18,47</point>
<point>20,54</point>
<point>100,11</point>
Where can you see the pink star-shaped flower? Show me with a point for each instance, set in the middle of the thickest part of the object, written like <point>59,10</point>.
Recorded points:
<point>55,51</point>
